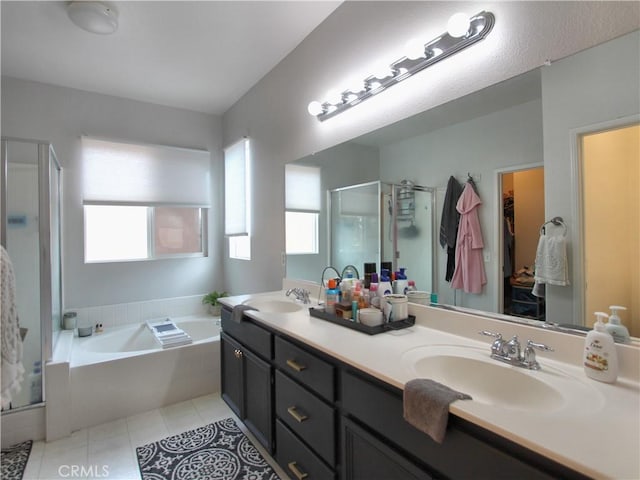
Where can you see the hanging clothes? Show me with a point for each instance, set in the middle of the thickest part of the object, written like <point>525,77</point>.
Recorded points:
<point>449,224</point>
<point>469,273</point>
<point>12,369</point>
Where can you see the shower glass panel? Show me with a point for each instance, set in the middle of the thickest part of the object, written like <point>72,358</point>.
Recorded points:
<point>355,225</point>
<point>30,231</point>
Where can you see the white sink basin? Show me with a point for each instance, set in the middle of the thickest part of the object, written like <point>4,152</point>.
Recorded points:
<point>272,305</point>
<point>471,370</point>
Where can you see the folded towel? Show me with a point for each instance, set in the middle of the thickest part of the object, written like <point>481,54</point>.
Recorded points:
<point>426,406</point>
<point>238,311</point>
<point>551,263</point>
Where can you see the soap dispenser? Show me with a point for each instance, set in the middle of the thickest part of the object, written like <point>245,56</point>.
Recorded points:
<point>600,356</point>
<point>384,287</point>
<point>615,328</point>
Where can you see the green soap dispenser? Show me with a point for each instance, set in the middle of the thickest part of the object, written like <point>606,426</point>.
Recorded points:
<point>618,331</point>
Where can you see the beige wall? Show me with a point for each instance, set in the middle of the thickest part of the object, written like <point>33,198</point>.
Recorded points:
<point>528,195</point>
<point>611,169</point>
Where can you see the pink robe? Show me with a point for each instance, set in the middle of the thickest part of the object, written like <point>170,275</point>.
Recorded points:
<point>469,274</point>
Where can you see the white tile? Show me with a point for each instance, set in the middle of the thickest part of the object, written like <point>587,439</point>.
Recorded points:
<point>178,409</point>
<point>212,408</point>
<point>107,430</point>
<point>61,463</point>
<point>120,314</point>
<point>134,312</point>
<point>94,316</point>
<point>108,316</point>
<point>77,439</point>
<point>145,420</point>
<point>110,445</point>
<point>143,436</point>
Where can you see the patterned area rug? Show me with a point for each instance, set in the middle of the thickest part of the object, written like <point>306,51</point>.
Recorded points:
<point>14,460</point>
<point>218,451</point>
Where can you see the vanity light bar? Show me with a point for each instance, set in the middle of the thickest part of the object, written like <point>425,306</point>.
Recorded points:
<point>435,50</point>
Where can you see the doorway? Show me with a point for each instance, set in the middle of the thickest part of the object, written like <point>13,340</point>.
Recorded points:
<point>610,168</point>
<point>521,214</point>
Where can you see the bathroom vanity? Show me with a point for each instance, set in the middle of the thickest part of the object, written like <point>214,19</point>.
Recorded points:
<point>326,402</point>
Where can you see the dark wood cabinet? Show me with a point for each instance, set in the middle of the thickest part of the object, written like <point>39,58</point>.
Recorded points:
<point>247,381</point>
<point>324,419</point>
<point>367,458</point>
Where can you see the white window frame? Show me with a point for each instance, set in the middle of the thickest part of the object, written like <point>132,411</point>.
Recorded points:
<point>150,232</point>
<point>237,183</point>
<point>299,181</point>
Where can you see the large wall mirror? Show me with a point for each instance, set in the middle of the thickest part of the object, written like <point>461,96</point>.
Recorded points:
<point>512,139</point>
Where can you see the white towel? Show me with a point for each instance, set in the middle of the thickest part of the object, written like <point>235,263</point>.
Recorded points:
<point>551,263</point>
<point>12,369</point>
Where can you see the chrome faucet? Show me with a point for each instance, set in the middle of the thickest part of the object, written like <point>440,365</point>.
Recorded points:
<point>511,352</point>
<point>301,294</point>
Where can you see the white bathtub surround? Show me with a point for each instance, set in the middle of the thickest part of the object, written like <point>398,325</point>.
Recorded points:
<point>120,314</point>
<point>564,431</point>
<point>124,371</point>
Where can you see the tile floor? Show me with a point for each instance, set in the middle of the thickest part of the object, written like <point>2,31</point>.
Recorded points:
<point>107,451</point>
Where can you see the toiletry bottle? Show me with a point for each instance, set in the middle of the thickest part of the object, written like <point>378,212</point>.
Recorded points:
<point>369,269</point>
<point>600,356</point>
<point>615,328</point>
<point>412,286</point>
<point>332,295</point>
<point>401,283</point>
<point>384,287</point>
<point>374,299</point>
<point>355,299</point>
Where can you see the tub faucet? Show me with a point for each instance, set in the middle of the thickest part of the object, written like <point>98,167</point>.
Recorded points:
<point>511,352</point>
<point>301,294</point>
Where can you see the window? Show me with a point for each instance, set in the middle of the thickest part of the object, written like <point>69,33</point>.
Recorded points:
<point>136,206</point>
<point>115,233</point>
<point>237,199</point>
<point>302,188</point>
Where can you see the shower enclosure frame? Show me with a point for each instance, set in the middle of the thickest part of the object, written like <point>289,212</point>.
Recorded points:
<point>391,190</point>
<point>48,235</point>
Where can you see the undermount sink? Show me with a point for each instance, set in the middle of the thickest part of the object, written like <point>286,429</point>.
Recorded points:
<point>470,370</point>
<point>272,305</point>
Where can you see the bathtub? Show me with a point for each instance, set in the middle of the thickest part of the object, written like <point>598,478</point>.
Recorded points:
<point>123,371</point>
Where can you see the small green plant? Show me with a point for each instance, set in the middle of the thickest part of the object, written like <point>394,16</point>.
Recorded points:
<point>212,298</point>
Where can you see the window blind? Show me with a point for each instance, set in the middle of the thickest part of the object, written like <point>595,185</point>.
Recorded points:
<point>236,189</point>
<point>302,187</point>
<point>146,174</point>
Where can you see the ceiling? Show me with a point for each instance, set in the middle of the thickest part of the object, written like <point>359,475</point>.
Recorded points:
<point>201,56</point>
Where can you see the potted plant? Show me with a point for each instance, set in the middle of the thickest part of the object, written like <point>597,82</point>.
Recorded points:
<point>211,299</point>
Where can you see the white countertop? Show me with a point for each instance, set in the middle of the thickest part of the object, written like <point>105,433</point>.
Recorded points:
<point>600,439</point>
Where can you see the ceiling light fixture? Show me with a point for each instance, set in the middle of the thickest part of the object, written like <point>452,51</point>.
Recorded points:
<point>464,32</point>
<point>94,17</point>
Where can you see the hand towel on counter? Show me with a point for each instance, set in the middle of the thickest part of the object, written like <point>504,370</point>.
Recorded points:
<point>426,406</point>
<point>12,347</point>
<point>238,311</point>
<point>551,263</point>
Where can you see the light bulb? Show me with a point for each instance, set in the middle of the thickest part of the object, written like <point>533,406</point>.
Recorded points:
<point>414,49</point>
<point>374,85</point>
<point>355,85</point>
<point>458,25</point>
<point>315,108</point>
<point>436,51</point>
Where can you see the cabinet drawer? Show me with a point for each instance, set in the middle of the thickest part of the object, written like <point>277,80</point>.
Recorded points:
<point>305,367</point>
<point>308,416</point>
<point>297,459</point>
<point>249,334</point>
<point>381,410</point>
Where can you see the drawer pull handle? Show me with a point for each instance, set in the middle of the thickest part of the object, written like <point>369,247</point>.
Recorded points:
<point>296,471</point>
<point>296,366</point>
<point>297,415</point>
